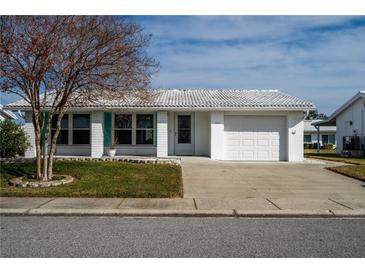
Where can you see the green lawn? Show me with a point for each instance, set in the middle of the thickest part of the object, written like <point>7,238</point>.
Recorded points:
<point>357,172</point>
<point>321,151</point>
<point>100,179</point>
<point>330,155</point>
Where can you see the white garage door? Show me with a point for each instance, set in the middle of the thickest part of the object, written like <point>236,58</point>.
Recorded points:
<point>254,138</point>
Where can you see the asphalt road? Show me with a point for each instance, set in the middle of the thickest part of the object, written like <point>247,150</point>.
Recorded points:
<point>181,237</point>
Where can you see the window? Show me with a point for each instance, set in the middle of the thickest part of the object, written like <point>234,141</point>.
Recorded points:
<point>184,129</point>
<point>324,139</point>
<point>331,139</point>
<point>62,138</point>
<point>144,130</point>
<point>307,138</point>
<point>81,129</point>
<point>123,129</point>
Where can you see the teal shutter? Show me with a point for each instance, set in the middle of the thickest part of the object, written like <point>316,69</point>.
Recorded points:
<point>107,129</point>
<point>44,128</point>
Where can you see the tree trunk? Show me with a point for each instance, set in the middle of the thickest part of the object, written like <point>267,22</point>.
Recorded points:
<point>38,155</point>
<point>51,158</point>
<point>53,145</point>
<point>45,147</point>
<point>38,148</point>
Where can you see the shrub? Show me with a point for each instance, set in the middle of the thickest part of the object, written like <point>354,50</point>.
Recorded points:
<point>328,146</point>
<point>307,146</point>
<point>13,139</point>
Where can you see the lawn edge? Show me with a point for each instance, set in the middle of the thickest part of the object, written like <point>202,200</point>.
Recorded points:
<point>333,169</point>
<point>331,160</point>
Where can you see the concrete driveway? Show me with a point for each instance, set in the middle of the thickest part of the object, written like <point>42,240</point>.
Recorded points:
<point>283,185</point>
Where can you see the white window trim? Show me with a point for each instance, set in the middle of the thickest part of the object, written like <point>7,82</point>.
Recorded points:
<point>153,129</point>
<point>134,129</point>
<point>115,128</point>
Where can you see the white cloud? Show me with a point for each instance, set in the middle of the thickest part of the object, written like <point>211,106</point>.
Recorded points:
<point>304,56</point>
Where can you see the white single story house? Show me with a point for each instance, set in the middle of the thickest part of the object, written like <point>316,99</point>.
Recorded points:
<point>250,125</point>
<point>327,134</point>
<point>349,120</point>
<point>6,114</point>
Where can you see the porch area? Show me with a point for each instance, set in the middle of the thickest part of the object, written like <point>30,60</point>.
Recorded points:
<point>135,135</point>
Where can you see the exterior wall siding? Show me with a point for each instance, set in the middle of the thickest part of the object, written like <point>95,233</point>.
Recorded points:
<point>314,137</point>
<point>171,133</point>
<point>73,150</point>
<point>29,130</point>
<point>216,135</point>
<point>208,136</point>
<point>162,134</point>
<point>130,150</point>
<point>295,125</point>
<point>202,133</point>
<point>97,134</point>
<point>354,114</point>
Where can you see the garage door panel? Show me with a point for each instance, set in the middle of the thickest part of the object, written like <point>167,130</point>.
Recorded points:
<point>252,138</point>
<point>248,143</point>
<point>275,155</point>
<point>249,155</point>
<point>275,143</point>
<point>263,155</point>
<point>263,142</point>
<point>233,142</point>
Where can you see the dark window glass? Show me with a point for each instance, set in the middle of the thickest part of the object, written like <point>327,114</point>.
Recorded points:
<point>123,121</point>
<point>331,139</point>
<point>123,137</point>
<point>64,121</point>
<point>144,136</point>
<point>81,129</point>
<point>184,129</point>
<point>324,139</point>
<point>184,121</point>
<point>144,120</point>
<point>81,137</point>
<point>81,121</point>
<point>307,138</point>
<point>62,137</point>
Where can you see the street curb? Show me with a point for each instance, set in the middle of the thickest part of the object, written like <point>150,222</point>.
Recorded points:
<point>285,213</point>
<point>119,212</point>
<point>349,213</point>
<point>182,213</point>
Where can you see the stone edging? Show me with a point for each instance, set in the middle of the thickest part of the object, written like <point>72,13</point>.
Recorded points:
<point>135,160</point>
<point>19,182</point>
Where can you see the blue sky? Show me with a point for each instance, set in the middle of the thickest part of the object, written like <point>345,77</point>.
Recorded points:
<point>320,58</point>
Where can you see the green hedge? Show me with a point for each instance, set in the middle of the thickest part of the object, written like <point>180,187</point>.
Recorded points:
<point>13,139</point>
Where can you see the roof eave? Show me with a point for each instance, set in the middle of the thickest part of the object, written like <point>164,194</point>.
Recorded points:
<point>292,108</point>
<point>360,94</point>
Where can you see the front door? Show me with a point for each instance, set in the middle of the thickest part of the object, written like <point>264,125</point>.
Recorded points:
<point>184,134</point>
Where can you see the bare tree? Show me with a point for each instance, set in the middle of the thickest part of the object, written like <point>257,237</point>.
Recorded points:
<point>53,61</point>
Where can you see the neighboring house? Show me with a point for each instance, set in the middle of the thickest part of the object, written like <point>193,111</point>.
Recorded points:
<point>327,134</point>
<point>222,124</point>
<point>6,114</point>
<point>349,120</point>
